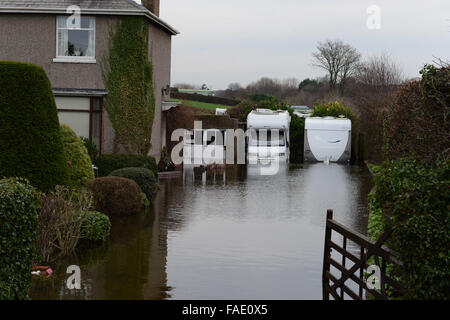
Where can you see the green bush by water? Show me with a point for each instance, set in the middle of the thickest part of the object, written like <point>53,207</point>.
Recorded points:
<point>413,197</point>
<point>142,176</point>
<point>96,226</point>
<point>116,196</point>
<point>111,162</point>
<point>19,212</point>
<point>80,166</point>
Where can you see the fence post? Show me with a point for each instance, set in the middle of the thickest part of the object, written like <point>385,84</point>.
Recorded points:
<point>326,255</point>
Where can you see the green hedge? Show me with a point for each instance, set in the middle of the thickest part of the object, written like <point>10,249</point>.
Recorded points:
<point>413,198</point>
<point>96,226</point>
<point>205,99</point>
<point>297,138</point>
<point>19,211</point>
<point>143,177</point>
<point>115,196</point>
<point>80,166</point>
<point>30,140</point>
<point>109,163</point>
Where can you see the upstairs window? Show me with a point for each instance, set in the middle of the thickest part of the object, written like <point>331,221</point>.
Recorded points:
<point>75,43</point>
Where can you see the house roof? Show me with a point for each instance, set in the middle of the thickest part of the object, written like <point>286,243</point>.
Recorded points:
<point>95,7</point>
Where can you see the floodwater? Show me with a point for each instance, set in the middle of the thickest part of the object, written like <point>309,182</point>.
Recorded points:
<point>233,236</point>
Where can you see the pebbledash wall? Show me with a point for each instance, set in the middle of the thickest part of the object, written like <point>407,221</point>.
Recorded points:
<point>78,87</point>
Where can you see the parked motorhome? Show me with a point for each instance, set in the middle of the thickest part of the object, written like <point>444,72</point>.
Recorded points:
<point>328,139</point>
<point>269,136</point>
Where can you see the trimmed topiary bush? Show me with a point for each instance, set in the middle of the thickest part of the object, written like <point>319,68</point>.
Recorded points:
<point>96,226</point>
<point>109,163</point>
<point>80,166</point>
<point>143,177</point>
<point>116,196</point>
<point>30,140</point>
<point>19,212</point>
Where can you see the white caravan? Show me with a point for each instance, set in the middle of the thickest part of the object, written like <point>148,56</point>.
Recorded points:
<point>268,138</point>
<point>328,139</point>
<point>204,147</point>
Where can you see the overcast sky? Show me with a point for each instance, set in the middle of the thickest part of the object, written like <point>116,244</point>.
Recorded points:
<point>225,41</point>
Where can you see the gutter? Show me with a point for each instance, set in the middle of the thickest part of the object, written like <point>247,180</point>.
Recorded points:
<point>117,12</point>
<point>58,92</point>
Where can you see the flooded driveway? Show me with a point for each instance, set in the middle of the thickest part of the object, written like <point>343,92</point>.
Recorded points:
<point>242,236</point>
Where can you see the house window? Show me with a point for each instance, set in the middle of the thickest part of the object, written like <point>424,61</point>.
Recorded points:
<point>95,134</point>
<point>83,115</point>
<point>75,43</point>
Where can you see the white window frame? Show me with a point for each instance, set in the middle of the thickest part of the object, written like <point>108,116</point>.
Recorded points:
<point>75,59</point>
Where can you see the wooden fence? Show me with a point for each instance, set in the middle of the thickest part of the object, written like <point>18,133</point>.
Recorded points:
<point>336,287</point>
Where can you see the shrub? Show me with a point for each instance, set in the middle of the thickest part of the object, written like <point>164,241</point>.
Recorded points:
<point>145,201</point>
<point>116,196</point>
<point>414,198</point>
<point>30,140</point>
<point>273,104</point>
<point>242,110</point>
<point>80,166</point>
<point>96,226</point>
<point>143,177</point>
<point>375,226</point>
<point>109,163</point>
<point>417,121</point>
<point>297,138</point>
<point>19,211</point>
<point>60,221</point>
<point>165,163</point>
<point>91,148</point>
<point>334,109</point>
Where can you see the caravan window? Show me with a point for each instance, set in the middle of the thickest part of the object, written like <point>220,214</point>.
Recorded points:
<point>268,138</point>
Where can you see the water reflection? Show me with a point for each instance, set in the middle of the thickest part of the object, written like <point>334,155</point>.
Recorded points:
<point>227,235</point>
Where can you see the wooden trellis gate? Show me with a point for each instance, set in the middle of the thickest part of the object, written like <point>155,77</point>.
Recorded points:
<point>336,287</point>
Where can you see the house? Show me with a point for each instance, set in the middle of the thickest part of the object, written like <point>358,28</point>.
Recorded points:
<point>35,31</point>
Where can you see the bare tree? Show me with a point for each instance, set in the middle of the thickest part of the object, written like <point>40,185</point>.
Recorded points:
<point>235,86</point>
<point>290,83</point>
<point>266,86</point>
<point>379,72</point>
<point>338,59</point>
<point>441,62</point>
